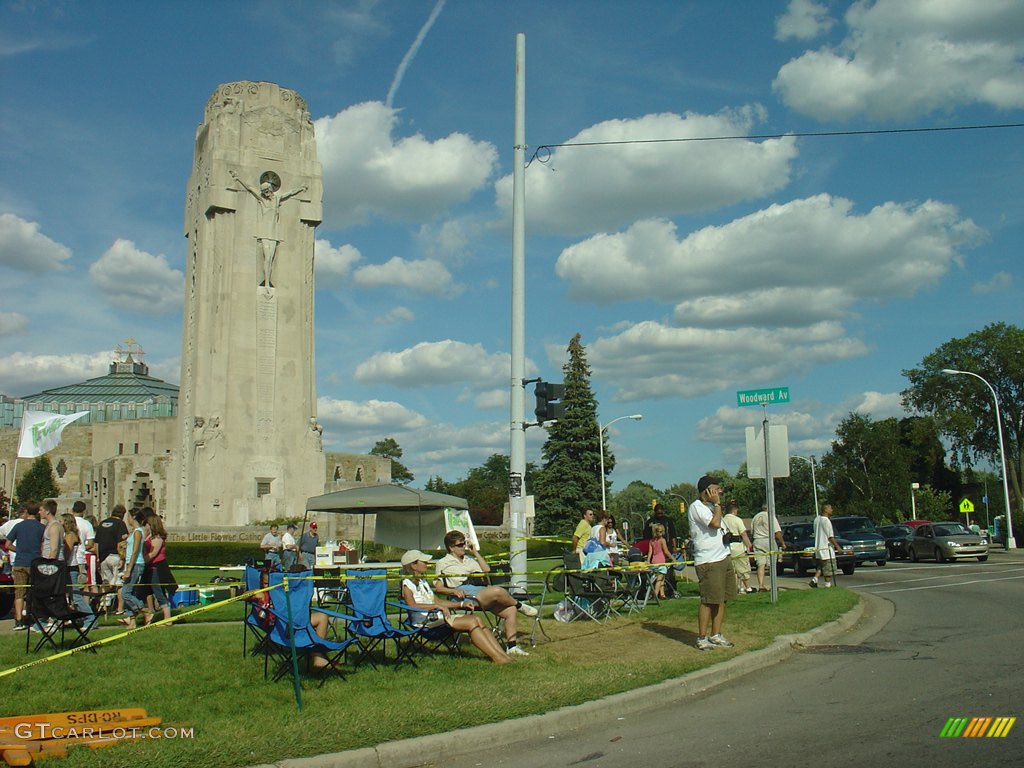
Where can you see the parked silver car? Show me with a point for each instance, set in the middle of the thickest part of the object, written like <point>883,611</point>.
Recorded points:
<point>946,541</point>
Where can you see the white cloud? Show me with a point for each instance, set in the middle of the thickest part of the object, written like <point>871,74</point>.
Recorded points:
<point>369,416</point>
<point>424,276</point>
<point>396,315</point>
<point>22,374</point>
<point>998,283</point>
<point>795,263</point>
<point>138,281</point>
<point>597,189</point>
<point>12,323</point>
<point>333,264</point>
<point>803,20</point>
<point>368,172</point>
<point>24,247</point>
<point>435,364</point>
<point>904,58</point>
<point>651,360</point>
<point>491,399</point>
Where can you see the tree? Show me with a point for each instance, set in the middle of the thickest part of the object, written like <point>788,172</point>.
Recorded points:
<point>569,478</point>
<point>962,406</point>
<point>388,448</point>
<point>38,483</point>
<point>486,488</point>
<point>633,504</point>
<point>867,471</point>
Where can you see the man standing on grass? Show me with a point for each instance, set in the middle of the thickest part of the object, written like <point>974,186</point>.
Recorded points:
<point>713,563</point>
<point>582,532</point>
<point>763,542</point>
<point>824,547</point>
<point>25,540</point>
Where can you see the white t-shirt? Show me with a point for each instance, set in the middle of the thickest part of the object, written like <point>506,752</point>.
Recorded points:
<point>822,533</point>
<point>288,542</point>
<point>734,525</point>
<point>707,542</point>
<point>7,527</point>
<point>86,533</point>
<point>759,527</point>
<point>422,594</point>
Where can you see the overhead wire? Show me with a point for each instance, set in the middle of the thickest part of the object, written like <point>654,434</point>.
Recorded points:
<point>546,148</point>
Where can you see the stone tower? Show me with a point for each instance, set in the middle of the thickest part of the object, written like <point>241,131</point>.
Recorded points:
<point>250,446</point>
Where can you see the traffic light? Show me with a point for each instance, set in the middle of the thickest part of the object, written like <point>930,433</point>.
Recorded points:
<point>547,409</point>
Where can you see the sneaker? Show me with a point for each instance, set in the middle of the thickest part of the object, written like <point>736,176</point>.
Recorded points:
<point>813,583</point>
<point>515,650</point>
<point>719,641</point>
<point>705,644</point>
<point>527,610</point>
<point>827,585</point>
<point>19,627</point>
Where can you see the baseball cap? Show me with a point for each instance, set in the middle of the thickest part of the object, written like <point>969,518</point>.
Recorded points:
<point>706,481</point>
<point>413,555</point>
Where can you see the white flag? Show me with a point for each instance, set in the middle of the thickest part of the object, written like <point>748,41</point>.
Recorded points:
<point>40,431</point>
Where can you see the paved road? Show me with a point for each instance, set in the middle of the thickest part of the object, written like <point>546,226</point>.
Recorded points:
<point>952,648</point>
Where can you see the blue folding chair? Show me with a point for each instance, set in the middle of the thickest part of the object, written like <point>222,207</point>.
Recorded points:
<point>369,625</point>
<point>291,595</point>
<point>253,623</point>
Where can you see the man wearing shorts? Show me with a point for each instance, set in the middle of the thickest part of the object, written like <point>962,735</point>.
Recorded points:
<point>824,547</point>
<point>713,563</point>
<point>453,573</point>
<point>759,527</point>
<point>25,540</point>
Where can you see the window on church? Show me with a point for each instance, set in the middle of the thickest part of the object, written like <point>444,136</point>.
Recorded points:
<point>262,488</point>
<point>120,449</point>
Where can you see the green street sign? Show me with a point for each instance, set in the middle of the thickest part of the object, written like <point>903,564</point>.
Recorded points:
<point>771,396</point>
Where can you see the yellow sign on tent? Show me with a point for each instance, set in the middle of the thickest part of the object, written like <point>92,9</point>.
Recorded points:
<point>966,506</point>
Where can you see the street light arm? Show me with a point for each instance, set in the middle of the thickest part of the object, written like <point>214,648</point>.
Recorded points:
<point>1010,543</point>
<point>600,443</point>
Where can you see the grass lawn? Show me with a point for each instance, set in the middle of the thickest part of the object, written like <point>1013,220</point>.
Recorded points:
<point>194,675</point>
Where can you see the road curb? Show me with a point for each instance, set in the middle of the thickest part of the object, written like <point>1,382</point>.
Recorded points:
<point>438,747</point>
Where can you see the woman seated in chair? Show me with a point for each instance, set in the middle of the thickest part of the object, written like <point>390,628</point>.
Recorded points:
<point>418,594</point>
<point>262,611</point>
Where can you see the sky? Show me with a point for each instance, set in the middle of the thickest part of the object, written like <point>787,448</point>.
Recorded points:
<point>691,269</point>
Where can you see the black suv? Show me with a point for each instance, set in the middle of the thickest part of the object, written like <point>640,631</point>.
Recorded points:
<point>798,555</point>
<point>865,540</point>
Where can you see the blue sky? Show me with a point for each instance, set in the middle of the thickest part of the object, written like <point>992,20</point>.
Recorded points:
<point>692,270</point>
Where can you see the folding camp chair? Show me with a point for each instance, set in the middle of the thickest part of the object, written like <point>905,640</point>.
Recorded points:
<point>369,624</point>
<point>48,607</point>
<point>637,585</point>
<point>256,618</point>
<point>589,593</point>
<point>290,596</point>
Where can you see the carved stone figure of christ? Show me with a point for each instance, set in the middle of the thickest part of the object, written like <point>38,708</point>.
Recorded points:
<point>268,214</point>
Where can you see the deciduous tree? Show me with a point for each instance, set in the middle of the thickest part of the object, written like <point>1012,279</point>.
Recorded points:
<point>963,407</point>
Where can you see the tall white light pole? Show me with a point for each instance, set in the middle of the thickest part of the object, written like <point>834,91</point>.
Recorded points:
<point>517,426</point>
<point>913,500</point>
<point>814,483</point>
<point>600,441</point>
<point>1010,542</point>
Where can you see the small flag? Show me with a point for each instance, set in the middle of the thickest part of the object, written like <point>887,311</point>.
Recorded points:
<point>41,431</point>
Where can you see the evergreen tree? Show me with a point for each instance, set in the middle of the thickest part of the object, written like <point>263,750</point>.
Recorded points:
<point>38,483</point>
<point>569,479</point>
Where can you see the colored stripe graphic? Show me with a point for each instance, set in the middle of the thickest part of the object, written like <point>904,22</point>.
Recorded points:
<point>977,727</point>
<point>954,727</point>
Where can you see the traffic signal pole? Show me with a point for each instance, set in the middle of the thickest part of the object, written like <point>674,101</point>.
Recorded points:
<point>517,425</point>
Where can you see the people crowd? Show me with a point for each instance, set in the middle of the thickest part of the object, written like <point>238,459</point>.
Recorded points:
<point>110,566</point>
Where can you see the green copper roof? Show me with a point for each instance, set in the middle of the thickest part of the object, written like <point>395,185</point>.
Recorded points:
<point>112,388</point>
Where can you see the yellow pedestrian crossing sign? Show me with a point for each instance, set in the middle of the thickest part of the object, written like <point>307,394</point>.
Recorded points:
<point>966,506</point>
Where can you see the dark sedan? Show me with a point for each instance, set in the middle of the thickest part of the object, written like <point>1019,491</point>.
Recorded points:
<point>897,540</point>
<point>798,555</point>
